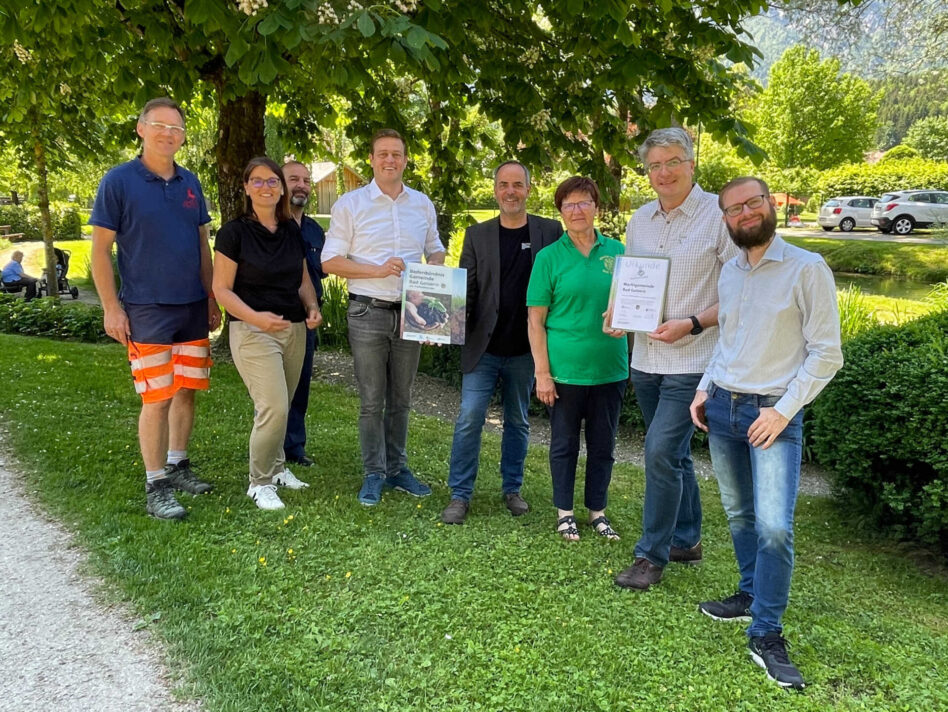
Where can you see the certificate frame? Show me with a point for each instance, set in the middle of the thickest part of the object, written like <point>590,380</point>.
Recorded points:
<point>637,296</point>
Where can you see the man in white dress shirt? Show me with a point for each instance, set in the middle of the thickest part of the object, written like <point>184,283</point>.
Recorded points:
<point>373,233</point>
<point>684,225</point>
<point>779,346</point>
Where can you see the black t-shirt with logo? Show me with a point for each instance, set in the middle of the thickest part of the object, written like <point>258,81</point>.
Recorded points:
<point>269,265</point>
<point>516,260</point>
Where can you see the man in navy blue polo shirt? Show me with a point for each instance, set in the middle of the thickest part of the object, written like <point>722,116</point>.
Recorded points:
<point>298,181</point>
<point>154,212</point>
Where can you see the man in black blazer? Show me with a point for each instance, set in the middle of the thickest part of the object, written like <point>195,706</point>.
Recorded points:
<point>498,255</point>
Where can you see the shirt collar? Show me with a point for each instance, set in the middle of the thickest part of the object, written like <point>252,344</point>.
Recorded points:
<point>375,193</point>
<point>689,207</point>
<point>600,240</point>
<point>774,253</point>
<point>148,175</point>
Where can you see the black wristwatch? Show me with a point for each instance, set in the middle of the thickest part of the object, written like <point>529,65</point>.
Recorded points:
<point>697,328</point>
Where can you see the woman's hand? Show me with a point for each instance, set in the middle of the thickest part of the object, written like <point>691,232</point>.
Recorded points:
<point>313,317</point>
<point>270,322</point>
<point>546,389</point>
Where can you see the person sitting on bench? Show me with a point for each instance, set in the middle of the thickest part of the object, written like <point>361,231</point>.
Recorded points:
<point>13,277</point>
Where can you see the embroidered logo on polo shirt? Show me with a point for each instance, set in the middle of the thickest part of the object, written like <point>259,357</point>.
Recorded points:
<point>608,263</point>
<point>191,200</point>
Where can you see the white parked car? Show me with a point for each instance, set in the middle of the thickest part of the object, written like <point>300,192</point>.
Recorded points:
<point>904,210</point>
<point>847,212</point>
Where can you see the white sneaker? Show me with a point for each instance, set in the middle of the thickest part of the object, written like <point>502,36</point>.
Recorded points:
<point>265,496</point>
<point>289,480</point>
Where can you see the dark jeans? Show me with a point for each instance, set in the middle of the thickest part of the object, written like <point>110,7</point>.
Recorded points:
<point>294,444</point>
<point>672,509</point>
<point>599,406</point>
<point>28,283</point>
<point>385,367</point>
<point>515,375</point>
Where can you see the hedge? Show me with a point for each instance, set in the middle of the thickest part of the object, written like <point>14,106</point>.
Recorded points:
<point>54,319</point>
<point>878,178</point>
<point>66,218</point>
<point>882,426</point>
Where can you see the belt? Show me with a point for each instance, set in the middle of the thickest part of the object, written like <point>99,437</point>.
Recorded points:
<point>760,401</point>
<point>373,302</point>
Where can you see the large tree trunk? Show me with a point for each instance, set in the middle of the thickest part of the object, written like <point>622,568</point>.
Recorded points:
<point>39,154</point>
<point>240,138</point>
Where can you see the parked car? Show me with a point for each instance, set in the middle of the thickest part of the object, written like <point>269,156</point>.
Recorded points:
<point>847,212</point>
<point>904,210</point>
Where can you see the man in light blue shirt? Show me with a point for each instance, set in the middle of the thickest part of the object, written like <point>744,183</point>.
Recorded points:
<point>779,346</point>
<point>14,276</point>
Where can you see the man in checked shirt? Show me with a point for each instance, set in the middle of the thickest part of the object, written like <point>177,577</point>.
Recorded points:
<point>685,225</point>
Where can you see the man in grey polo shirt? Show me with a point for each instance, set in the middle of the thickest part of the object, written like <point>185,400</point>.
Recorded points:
<point>779,347</point>
<point>373,233</point>
<point>683,224</point>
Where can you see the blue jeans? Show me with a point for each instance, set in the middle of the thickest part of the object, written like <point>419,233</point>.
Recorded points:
<point>759,493</point>
<point>672,510</point>
<point>599,406</point>
<point>515,374</point>
<point>385,367</point>
<point>294,444</point>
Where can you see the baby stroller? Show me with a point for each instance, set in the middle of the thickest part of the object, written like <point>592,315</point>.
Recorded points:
<point>62,267</point>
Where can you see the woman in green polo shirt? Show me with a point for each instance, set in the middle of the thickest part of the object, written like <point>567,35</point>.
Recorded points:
<point>581,372</point>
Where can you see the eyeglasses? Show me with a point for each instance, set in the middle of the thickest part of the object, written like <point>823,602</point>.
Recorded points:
<point>158,126</point>
<point>732,211</point>
<point>269,182</point>
<point>670,165</point>
<point>581,205</point>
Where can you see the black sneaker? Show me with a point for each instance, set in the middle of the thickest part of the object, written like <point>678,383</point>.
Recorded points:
<point>732,608</point>
<point>161,503</point>
<point>182,478</point>
<point>770,652</point>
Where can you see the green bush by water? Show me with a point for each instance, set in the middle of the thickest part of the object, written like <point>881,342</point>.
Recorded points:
<point>882,425</point>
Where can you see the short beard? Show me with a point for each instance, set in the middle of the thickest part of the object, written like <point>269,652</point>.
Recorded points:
<point>299,200</point>
<point>757,236</point>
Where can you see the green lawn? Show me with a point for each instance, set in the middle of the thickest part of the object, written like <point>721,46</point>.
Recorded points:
<point>925,263</point>
<point>332,606</point>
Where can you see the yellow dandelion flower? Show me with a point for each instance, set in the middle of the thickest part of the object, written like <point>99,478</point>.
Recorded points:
<point>419,506</point>
<point>328,577</point>
<point>262,559</point>
<point>348,574</point>
<point>290,517</point>
<point>289,551</point>
<point>233,551</point>
<point>227,511</point>
<point>516,648</point>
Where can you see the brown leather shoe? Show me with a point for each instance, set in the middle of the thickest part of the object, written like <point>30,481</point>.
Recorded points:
<point>640,575</point>
<point>686,556</point>
<point>516,504</point>
<point>455,512</point>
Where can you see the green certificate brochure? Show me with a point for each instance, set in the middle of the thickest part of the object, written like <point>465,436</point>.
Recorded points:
<point>434,304</point>
<point>637,299</point>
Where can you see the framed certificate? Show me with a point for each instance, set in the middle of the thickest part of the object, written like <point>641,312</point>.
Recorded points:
<point>637,299</point>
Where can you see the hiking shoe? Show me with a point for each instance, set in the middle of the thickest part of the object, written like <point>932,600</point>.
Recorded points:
<point>455,512</point>
<point>516,504</point>
<point>770,652</point>
<point>640,575</point>
<point>161,503</point>
<point>182,477</point>
<point>265,496</point>
<point>289,480</point>
<point>405,481</point>
<point>371,491</point>
<point>686,556</point>
<point>732,608</point>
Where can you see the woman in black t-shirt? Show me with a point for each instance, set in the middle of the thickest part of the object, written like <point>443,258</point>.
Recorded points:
<point>260,278</point>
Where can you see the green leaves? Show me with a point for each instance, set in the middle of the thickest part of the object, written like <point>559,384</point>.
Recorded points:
<point>365,24</point>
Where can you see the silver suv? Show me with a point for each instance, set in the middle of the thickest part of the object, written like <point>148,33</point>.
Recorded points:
<point>847,212</point>
<point>903,211</point>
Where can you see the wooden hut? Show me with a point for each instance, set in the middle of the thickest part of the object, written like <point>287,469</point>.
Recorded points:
<point>323,176</point>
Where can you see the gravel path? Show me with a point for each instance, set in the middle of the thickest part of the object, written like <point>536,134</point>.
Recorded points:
<point>62,648</point>
<point>432,396</point>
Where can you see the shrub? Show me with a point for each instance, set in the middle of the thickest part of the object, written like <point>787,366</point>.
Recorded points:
<point>882,427</point>
<point>66,218</point>
<point>334,332</point>
<point>879,178</point>
<point>899,153</point>
<point>45,317</point>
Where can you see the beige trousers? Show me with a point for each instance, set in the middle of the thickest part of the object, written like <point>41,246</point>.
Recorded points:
<point>270,365</point>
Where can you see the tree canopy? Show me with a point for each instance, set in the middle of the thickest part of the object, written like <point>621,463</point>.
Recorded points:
<point>812,116</point>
